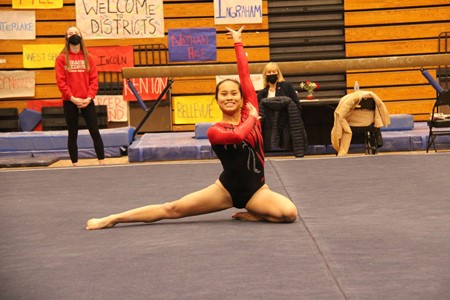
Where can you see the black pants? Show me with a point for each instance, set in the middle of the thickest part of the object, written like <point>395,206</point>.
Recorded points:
<point>90,117</point>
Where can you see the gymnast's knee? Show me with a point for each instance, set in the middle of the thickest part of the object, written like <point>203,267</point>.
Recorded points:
<point>289,216</point>
<point>171,210</point>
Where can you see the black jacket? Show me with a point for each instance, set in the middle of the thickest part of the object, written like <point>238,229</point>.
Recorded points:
<point>282,124</point>
<point>284,88</point>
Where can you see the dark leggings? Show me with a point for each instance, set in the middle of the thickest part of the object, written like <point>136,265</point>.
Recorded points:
<point>90,117</point>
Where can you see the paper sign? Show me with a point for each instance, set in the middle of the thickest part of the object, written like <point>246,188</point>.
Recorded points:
<point>112,59</point>
<point>148,88</point>
<point>238,12</point>
<point>17,84</point>
<point>195,109</point>
<point>34,4</point>
<point>17,25</point>
<point>117,108</point>
<point>192,44</point>
<point>41,56</point>
<point>106,19</point>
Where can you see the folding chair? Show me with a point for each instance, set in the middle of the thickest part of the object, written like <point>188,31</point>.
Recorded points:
<point>439,124</point>
<point>370,135</point>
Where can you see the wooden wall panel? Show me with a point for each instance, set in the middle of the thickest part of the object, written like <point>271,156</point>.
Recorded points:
<point>395,28</point>
<point>379,79</point>
<point>397,16</point>
<point>397,32</point>
<point>377,4</point>
<point>195,85</point>
<point>19,104</point>
<point>404,93</point>
<point>419,109</point>
<point>392,48</point>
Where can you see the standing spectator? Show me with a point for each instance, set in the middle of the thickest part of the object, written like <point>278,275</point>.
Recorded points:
<point>280,110</point>
<point>77,79</point>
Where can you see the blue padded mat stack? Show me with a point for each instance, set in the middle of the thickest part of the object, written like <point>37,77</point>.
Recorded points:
<point>37,143</point>
<point>400,122</point>
<point>169,146</point>
<point>405,140</point>
<point>201,129</point>
<point>402,135</point>
<point>29,119</point>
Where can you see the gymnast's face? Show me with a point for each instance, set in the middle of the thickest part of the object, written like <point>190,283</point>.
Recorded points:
<point>229,96</point>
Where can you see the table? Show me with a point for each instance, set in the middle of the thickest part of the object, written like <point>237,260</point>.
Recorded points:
<point>318,117</point>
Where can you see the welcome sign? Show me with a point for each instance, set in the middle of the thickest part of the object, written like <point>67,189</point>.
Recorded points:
<point>105,19</point>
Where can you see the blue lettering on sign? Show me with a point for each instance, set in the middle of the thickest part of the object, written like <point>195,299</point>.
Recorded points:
<point>5,26</point>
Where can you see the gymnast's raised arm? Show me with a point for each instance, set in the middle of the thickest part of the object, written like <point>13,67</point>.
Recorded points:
<point>248,90</point>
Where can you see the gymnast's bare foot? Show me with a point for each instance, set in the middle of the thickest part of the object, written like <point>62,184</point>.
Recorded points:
<point>246,216</point>
<point>94,224</point>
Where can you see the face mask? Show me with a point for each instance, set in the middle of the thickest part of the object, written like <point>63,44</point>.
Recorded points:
<point>272,78</point>
<point>75,39</point>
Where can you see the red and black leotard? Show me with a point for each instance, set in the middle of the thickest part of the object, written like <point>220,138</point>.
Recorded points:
<point>240,147</point>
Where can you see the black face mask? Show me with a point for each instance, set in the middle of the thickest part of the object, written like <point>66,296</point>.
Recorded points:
<point>75,39</point>
<point>272,78</point>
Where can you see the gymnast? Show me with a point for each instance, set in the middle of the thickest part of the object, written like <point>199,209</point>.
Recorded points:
<point>237,142</point>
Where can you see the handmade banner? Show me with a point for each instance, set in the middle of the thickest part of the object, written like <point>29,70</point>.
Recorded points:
<point>112,58</point>
<point>17,84</point>
<point>237,12</point>
<point>192,44</point>
<point>41,56</point>
<point>33,4</point>
<point>148,88</point>
<point>195,109</point>
<point>106,19</point>
<point>117,108</point>
<point>257,80</point>
<point>17,25</point>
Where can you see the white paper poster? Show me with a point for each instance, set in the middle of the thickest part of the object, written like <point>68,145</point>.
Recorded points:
<point>17,84</point>
<point>105,19</point>
<point>17,25</point>
<point>238,12</point>
<point>117,107</point>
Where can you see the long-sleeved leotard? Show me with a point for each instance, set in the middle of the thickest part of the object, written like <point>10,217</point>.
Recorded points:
<point>240,147</point>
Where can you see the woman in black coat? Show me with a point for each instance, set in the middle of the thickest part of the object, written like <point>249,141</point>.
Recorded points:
<point>280,110</point>
<point>275,85</point>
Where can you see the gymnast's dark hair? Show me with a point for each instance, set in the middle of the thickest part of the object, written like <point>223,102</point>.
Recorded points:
<point>228,79</point>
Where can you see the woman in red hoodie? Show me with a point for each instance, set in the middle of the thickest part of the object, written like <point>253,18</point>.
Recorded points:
<point>77,79</point>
